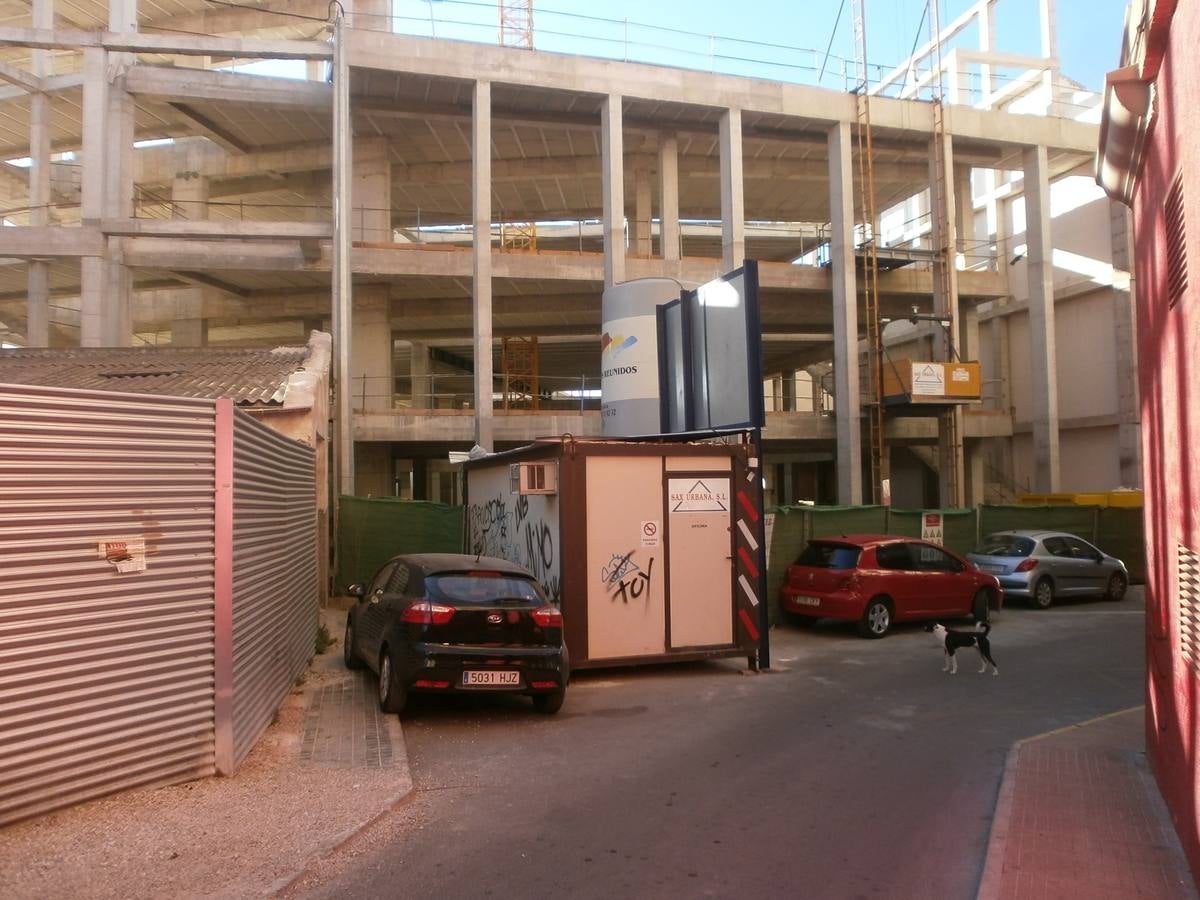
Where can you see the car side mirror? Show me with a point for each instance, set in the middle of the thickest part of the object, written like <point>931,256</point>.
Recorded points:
<point>1099,557</point>
<point>356,590</point>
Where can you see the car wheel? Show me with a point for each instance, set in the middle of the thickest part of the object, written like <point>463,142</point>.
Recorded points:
<point>1043,593</point>
<point>349,656</point>
<point>800,621</point>
<point>876,619</point>
<point>391,695</point>
<point>1117,583</point>
<point>550,703</point>
<point>979,606</point>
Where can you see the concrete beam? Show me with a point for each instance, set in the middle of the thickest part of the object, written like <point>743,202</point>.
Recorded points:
<point>167,44</point>
<point>210,129</point>
<point>242,231</point>
<point>401,53</point>
<point>227,87</point>
<point>50,242</point>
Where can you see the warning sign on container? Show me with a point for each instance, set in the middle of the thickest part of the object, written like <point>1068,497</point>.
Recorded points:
<point>931,527</point>
<point>929,379</point>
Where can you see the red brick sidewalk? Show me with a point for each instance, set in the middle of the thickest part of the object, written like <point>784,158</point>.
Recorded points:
<point>1080,815</point>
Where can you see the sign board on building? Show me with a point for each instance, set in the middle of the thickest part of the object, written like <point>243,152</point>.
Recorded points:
<point>126,554</point>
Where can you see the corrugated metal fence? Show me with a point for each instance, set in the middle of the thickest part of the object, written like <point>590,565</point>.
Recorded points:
<point>109,679</point>
<point>274,575</point>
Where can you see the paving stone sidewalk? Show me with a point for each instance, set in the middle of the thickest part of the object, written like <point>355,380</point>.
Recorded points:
<point>1080,815</point>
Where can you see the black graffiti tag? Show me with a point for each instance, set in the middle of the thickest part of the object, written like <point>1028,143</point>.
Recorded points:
<point>632,583</point>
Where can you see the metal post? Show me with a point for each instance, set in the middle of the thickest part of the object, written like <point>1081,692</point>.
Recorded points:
<point>342,152</point>
<point>764,613</point>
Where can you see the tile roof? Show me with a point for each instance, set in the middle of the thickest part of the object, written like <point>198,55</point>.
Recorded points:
<point>249,376</point>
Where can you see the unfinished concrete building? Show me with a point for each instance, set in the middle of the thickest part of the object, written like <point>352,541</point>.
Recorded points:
<point>452,211</point>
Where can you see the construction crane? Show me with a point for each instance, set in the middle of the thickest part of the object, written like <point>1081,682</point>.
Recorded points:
<point>877,451</point>
<point>516,23</point>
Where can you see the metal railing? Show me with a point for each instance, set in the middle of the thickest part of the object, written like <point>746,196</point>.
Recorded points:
<point>442,393</point>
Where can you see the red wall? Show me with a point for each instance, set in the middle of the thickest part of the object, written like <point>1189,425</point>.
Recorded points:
<point>1169,372</point>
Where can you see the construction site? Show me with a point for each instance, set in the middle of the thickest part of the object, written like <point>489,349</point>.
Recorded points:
<point>944,291</point>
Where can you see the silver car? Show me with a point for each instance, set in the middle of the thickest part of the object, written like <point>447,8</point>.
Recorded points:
<point>1042,565</point>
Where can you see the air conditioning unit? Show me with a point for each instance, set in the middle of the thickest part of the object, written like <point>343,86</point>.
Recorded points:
<point>533,478</point>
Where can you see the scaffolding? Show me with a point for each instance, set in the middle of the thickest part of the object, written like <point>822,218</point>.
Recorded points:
<point>876,449</point>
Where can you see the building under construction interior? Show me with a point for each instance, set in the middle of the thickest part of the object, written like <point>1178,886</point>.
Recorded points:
<point>452,211</point>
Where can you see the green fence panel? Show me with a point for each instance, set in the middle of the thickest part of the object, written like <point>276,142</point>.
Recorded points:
<point>788,537</point>
<point>958,526</point>
<point>831,521</point>
<point>1121,533</point>
<point>1080,520</point>
<point>371,531</point>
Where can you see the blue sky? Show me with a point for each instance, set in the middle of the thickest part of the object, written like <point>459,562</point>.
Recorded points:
<point>751,35</point>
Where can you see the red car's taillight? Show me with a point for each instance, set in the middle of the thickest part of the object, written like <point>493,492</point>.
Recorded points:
<point>548,617</point>
<point>1026,565</point>
<point>423,612</point>
<point>849,583</point>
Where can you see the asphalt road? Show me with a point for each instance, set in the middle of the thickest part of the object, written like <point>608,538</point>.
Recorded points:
<point>855,769</point>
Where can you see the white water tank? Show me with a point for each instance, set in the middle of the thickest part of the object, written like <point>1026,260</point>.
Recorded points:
<point>629,403</point>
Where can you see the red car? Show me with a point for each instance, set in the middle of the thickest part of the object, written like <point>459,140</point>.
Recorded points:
<point>876,580</point>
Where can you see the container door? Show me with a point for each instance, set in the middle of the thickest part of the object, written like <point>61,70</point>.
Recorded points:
<point>626,601</point>
<point>699,519</point>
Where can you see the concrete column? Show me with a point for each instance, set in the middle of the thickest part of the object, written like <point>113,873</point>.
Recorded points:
<point>847,401</point>
<point>1049,34</point>
<point>188,325</point>
<point>37,327</point>
<point>189,189</point>
<point>944,218</point>
<point>973,451</point>
<point>668,198</point>
<point>371,349</point>
<point>788,385</point>
<point>987,43</point>
<point>1125,335</point>
<point>373,469</point>
<point>189,201</point>
<point>642,243</point>
<point>1042,356</point>
<point>117,325</point>
<point>92,181</point>
<point>420,373</point>
<point>371,192</point>
<point>612,152</point>
<point>481,254</point>
<point>368,15</point>
<point>733,207</point>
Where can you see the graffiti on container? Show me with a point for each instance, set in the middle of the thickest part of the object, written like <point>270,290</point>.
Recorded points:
<point>625,579</point>
<point>517,534</point>
<point>488,527</point>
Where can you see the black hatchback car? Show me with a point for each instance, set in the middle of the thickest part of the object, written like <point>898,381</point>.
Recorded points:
<point>443,622</point>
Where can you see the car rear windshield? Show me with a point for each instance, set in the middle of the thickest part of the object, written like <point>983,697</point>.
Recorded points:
<point>1005,545</point>
<point>829,556</point>
<point>481,589</point>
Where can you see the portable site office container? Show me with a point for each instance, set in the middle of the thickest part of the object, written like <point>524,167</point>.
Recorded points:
<point>650,549</point>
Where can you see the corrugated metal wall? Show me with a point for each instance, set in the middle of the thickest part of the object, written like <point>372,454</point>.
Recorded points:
<point>275,580</point>
<point>106,679</point>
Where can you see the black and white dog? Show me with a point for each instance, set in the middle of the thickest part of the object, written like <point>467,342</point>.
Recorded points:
<point>950,641</point>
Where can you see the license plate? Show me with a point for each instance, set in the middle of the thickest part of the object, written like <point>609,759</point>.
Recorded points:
<point>995,570</point>
<point>490,678</point>
<point>809,601</point>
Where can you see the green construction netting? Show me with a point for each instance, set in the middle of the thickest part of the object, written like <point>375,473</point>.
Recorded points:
<point>1120,533</point>
<point>1080,520</point>
<point>371,531</point>
<point>958,526</point>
